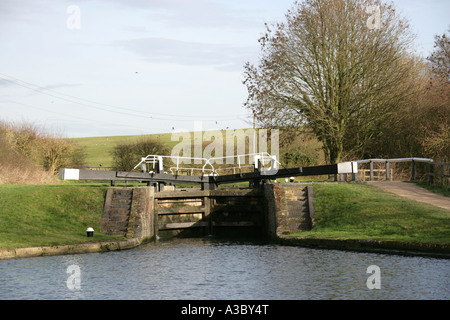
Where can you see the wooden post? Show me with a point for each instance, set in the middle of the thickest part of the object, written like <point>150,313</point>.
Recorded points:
<point>208,217</point>
<point>354,174</point>
<point>388,176</point>
<point>209,186</point>
<point>413,170</point>
<point>431,173</point>
<point>371,170</point>
<point>310,195</point>
<point>155,216</point>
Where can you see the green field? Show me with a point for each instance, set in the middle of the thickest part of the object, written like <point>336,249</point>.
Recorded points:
<point>98,149</point>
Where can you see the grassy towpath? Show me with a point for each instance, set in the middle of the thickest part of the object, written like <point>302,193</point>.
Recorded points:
<point>361,211</point>
<point>47,215</point>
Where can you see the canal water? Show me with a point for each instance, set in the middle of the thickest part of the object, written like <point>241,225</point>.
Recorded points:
<point>211,268</point>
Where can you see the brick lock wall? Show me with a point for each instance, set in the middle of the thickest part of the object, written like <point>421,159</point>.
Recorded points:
<point>291,208</point>
<point>117,211</point>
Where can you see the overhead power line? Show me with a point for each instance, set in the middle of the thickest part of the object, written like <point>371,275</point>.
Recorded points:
<point>106,107</point>
<point>65,118</point>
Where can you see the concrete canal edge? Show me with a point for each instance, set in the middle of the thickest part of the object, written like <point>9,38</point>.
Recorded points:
<point>441,251</point>
<point>94,247</point>
<point>432,250</point>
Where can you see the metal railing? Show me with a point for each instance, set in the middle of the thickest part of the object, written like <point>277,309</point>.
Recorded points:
<point>98,168</point>
<point>434,172</point>
<point>207,164</point>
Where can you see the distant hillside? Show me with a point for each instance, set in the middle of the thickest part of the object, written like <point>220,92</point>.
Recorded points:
<point>98,149</point>
<point>305,149</point>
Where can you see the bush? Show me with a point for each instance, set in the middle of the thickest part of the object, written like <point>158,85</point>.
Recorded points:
<point>296,157</point>
<point>28,154</point>
<point>58,153</point>
<point>126,156</point>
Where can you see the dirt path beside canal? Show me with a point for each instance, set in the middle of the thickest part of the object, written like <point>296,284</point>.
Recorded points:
<point>412,191</point>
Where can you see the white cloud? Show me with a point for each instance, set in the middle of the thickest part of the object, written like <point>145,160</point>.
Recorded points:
<point>191,13</point>
<point>18,9</point>
<point>162,50</point>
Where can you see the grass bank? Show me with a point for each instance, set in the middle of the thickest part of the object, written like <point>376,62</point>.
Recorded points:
<point>359,211</point>
<point>444,190</point>
<point>47,215</point>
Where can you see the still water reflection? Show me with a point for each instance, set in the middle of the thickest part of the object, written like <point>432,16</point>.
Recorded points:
<point>209,268</point>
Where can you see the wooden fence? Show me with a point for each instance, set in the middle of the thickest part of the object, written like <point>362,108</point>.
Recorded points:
<point>439,173</point>
<point>404,169</point>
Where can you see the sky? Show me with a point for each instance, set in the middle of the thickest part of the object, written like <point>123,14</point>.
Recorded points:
<point>84,68</point>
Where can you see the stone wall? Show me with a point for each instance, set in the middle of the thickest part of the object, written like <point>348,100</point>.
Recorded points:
<point>141,223</point>
<point>288,208</point>
<point>116,211</point>
<point>128,212</point>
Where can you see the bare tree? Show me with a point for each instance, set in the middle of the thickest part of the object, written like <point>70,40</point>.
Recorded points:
<point>330,67</point>
<point>126,156</point>
<point>435,116</point>
<point>440,58</point>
